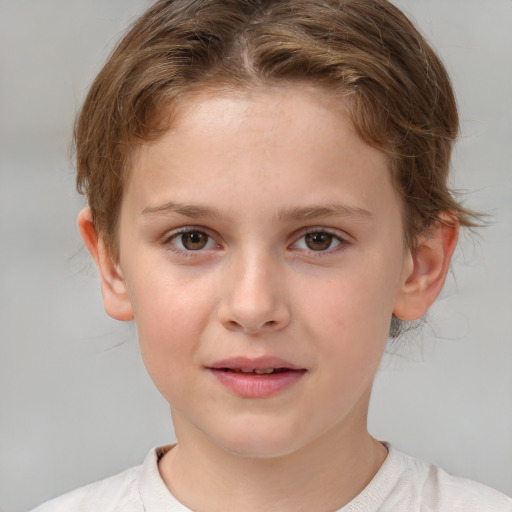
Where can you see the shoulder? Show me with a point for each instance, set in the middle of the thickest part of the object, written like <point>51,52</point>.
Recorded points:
<point>118,492</point>
<point>430,488</point>
<point>138,489</point>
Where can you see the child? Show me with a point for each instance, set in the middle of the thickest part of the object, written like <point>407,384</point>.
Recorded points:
<point>267,195</point>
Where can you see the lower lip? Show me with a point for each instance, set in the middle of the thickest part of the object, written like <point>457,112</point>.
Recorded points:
<point>250,385</point>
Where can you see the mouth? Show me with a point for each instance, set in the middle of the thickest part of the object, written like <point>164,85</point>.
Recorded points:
<point>265,365</point>
<point>256,378</point>
<point>257,371</point>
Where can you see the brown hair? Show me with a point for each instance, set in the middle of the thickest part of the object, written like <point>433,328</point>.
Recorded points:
<point>400,95</point>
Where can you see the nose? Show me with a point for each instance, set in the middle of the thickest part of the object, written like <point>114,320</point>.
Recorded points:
<point>254,296</point>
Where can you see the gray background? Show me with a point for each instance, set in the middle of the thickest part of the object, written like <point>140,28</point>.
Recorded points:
<point>75,402</point>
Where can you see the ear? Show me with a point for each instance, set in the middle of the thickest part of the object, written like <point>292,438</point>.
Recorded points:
<point>113,287</point>
<point>430,264</point>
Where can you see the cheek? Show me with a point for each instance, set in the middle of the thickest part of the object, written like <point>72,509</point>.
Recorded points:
<point>357,300</point>
<point>166,301</point>
<point>170,314</point>
<point>349,318</point>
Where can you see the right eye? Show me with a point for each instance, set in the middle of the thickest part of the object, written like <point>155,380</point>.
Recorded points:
<point>193,240</point>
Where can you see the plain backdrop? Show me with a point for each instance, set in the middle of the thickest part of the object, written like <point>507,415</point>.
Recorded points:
<point>75,402</point>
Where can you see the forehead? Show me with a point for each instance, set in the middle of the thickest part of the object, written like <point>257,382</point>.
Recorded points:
<point>288,144</point>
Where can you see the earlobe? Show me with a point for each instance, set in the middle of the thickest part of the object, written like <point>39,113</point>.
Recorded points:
<point>113,287</point>
<point>430,264</point>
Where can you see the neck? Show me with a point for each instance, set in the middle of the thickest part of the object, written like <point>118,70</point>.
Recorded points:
<point>324,475</point>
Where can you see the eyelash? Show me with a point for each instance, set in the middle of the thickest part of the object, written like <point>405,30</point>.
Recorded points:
<point>341,245</point>
<point>169,239</point>
<point>182,251</point>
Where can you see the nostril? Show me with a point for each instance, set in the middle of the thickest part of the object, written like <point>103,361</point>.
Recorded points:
<point>234,325</point>
<point>235,318</point>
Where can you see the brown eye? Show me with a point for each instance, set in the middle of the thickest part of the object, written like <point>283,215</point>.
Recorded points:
<point>318,241</point>
<point>193,241</point>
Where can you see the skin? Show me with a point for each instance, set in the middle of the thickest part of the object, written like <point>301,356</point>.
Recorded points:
<point>251,174</point>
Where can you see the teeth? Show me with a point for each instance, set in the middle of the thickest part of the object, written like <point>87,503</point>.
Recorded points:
<point>257,371</point>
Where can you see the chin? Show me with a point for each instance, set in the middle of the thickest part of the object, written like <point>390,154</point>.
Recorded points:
<point>260,444</point>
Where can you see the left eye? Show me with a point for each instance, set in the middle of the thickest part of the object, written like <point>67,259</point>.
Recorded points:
<point>317,241</point>
<point>193,241</point>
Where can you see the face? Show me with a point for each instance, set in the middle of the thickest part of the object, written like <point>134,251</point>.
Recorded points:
<point>261,245</point>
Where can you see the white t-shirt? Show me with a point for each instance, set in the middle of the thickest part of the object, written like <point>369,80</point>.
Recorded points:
<point>403,484</point>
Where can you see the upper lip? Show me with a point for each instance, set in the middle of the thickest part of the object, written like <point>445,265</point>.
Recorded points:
<point>249,364</point>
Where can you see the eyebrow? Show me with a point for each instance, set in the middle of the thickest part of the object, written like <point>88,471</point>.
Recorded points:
<point>318,211</point>
<point>289,214</point>
<point>187,210</point>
